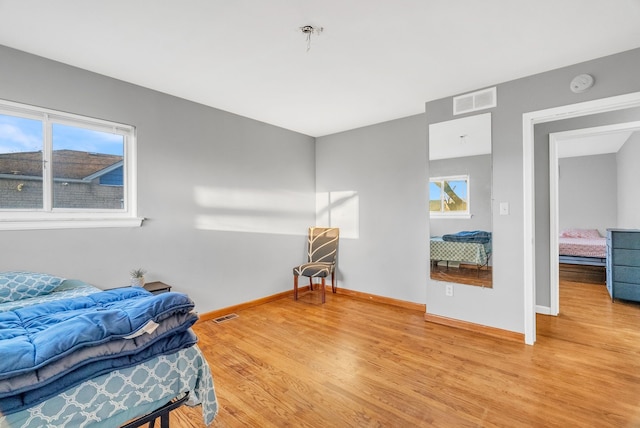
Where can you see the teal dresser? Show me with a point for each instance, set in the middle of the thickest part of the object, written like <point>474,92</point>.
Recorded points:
<point>623,264</point>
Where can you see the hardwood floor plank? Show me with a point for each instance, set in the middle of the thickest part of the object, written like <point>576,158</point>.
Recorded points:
<point>355,363</point>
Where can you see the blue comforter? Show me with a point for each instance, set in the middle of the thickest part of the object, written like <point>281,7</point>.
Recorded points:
<point>38,335</point>
<point>479,236</point>
<point>48,348</point>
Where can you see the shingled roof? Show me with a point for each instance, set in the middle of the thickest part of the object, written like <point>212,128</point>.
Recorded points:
<point>67,164</point>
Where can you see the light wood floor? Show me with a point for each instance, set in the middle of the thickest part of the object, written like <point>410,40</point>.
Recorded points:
<point>465,274</point>
<point>357,363</point>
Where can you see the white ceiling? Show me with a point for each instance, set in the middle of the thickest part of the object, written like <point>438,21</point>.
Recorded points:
<point>467,136</point>
<point>596,144</point>
<point>376,60</point>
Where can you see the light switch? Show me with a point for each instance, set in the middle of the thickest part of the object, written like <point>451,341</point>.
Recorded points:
<point>504,208</point>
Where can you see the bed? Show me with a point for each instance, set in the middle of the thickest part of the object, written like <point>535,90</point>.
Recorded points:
<point>582,247</point>
<point>119,355</point>
<point>471,247</point>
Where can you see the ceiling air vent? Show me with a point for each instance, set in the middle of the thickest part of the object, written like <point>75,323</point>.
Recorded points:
<point>475,101</point>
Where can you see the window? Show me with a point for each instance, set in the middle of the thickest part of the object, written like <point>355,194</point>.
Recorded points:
<point>449,197</point>
<point>60,170</point>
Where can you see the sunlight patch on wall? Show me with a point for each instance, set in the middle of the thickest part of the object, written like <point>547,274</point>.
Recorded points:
<point>339,209</point>
<point>256,211</point>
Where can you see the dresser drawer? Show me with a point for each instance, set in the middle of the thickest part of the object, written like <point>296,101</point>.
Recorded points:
<point>624,257</point>
<point>629,240</point>
<point>622,290</point>
<point>626,274</point>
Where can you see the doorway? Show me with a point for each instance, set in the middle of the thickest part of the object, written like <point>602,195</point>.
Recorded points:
<point>583,142</point>
<point>528,121</point>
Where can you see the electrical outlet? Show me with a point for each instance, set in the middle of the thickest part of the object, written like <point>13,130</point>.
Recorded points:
<point>448,290</point>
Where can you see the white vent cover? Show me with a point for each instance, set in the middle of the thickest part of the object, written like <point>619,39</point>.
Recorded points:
<point>475,101</point>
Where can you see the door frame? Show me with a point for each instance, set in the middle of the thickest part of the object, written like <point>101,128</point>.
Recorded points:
<point>529,120</point>
<point>555,139</point>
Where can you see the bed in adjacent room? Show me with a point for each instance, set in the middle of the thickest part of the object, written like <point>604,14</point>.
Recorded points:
<point>582,256</point>
<point>74,355</point>
<point>582,247</point>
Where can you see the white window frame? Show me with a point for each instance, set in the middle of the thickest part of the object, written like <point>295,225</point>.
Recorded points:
<point>49,217</point>
<point>452,214</point>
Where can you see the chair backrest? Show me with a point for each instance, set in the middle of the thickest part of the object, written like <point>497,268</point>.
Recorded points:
<point>323,244</point>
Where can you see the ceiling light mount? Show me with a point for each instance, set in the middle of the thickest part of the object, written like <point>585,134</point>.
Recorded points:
<point>309,30</point>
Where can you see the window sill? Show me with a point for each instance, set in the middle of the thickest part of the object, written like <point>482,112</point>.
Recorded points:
<point>35,224</point>
<point>451,216</point>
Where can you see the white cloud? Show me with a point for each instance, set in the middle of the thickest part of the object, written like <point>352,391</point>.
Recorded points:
<point>13,139</point>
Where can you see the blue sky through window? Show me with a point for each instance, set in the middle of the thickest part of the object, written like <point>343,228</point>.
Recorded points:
<point>19,134</point>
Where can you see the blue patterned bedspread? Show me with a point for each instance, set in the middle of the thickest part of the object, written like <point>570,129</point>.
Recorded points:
<point>48,348</point>
<point>471,252</point>
<point>114,398</point>
<point>68,289</point>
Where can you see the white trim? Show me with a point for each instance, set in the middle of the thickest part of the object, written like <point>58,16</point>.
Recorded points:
<point>47,167</point>
<point>441,215</point>
<point>544,310</point>
<point>555,139</point>
<point>528,122</point>
<point>49,217</point>
<point>70,223</point>
<point>554,213</point>
<point>528,270</point>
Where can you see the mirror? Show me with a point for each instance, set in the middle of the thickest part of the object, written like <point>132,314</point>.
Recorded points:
<point>460,201</point>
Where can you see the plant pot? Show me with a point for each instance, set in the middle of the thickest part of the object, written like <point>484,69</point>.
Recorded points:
<point>137,282</point>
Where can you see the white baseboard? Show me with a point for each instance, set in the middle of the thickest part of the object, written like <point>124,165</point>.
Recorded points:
<point>544,310</point>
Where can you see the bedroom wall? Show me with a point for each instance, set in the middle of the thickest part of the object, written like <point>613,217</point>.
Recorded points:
<point>385,165</point>
<point>227,199</point>
<point>628,179</point>
<point>588,193</point>
<point>541,142</point>
<point>502,305</point>
<point>479,170</point>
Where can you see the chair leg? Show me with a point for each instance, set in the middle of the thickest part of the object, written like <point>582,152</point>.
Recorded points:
<point>310,283</point>
<point>295,287</point>
<point>323,290</point>
<point>334,288</point>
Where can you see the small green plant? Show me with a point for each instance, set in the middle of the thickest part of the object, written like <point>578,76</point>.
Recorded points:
<point>137,273</point>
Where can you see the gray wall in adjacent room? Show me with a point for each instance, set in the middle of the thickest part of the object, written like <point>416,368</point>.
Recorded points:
<point>227,199</point>
<point>542,203</point>
<point>588,193</point>
<point>628,159</point>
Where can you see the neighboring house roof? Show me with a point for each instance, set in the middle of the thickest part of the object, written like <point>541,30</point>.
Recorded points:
<point>67,164</point>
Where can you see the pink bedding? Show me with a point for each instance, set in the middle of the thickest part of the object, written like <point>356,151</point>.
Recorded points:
<point>585,247</point>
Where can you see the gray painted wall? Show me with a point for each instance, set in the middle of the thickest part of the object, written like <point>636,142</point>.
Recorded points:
<point>200,170</point>
<point>628,187</point>
<point>502,305</point>
<point>478,168</point>
<point>541,142</point>
<point>192,156</point>
<point>386,165</point>
<point>588,192</point>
